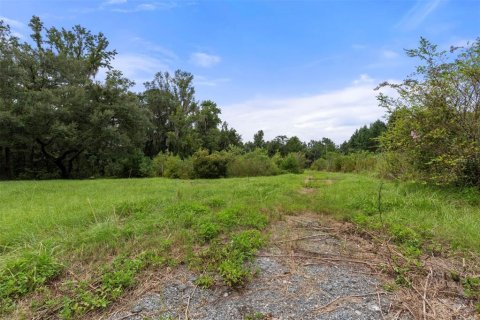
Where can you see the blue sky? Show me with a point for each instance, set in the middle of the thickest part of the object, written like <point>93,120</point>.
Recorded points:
<point>305,68</point>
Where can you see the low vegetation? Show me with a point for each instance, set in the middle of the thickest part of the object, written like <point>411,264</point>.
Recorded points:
<point>91,240</point>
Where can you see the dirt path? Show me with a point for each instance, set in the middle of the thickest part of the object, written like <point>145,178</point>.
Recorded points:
<point>314,268</point>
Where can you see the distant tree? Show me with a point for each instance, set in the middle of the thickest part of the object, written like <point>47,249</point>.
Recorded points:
<point>294,145</point>
<point>207,125</point>
<point>258,141</point>
<point>277,145</point>
<point>314,150</point>
<point>229,137</point>
<point>365,138</point>
<point>329,145</point>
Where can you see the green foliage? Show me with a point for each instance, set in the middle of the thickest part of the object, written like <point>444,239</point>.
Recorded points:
<point>353,162</point>
<point>208,231</point>
<point>25,274</point>
<point>177,168</point>
<point>57,119</point>
<point>233,272</point>
<point>114,279</point>
<point>293,163</point>
<point>213,226</point>
<point>365,138</point>
<point>471,286</point>
<point>205,281</point>
<point>433,123</point>
<point>255,316</point>
<point>240,249</point>
<point>252,164</point>
<point>210,166</point>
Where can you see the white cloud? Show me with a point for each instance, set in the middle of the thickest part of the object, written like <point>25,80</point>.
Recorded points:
<point>17,27</point>
<point>137,67</point>
<point>209,82</point>
<point>334,114</point>
<point>13,23</point>
<point>146,7</point>
<point>418,13</point>
<point>205,60</point>
<point>389,54</point>
<point>154,49</point>
<point>150,6</point>
<point>113,2</point>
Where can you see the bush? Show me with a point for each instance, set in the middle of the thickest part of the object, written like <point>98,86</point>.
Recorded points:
<point>396,165</point>
<point>210,166</point>
<point>177,168</point>
<point>158,164</point>
<point>319,165</point>
<point>353,162</point>
<point>293,163</point>
<point>134,165</point>
<point>252,164</point>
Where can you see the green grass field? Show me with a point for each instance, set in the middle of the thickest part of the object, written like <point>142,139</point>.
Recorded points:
<point>93,237</point>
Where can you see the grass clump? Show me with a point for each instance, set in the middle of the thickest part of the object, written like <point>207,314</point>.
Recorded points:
<point>80,297</point>
<point>239,250</point>
<point>205,281</point>
<point>24,275</point>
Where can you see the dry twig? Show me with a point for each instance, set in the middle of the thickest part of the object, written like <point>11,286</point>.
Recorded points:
<point>188,302</point>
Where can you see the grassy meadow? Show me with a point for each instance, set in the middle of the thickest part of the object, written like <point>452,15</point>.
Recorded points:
<point>92,238</point>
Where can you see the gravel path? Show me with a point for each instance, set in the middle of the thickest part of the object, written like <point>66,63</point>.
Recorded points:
<point>314,268</point>
<point>287,286</point>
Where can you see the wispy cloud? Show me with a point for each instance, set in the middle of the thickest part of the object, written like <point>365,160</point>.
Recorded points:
<point>384,58</point>
<point>389,54</point>
<point>137,67</point>
<point>309,117</point>
<point>154,49</point>
<point>13,23</point>
<point>123,6</point>
<point>204,60</point>
<point>17,27</point>
<point>138,8</point>
<point>113,2</point>
<point>418,13</point>
<point>209,82</point>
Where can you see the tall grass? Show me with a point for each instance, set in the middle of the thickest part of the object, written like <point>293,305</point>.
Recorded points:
<point>210,225</point>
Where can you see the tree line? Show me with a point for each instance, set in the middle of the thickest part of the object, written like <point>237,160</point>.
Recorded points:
<point>58,119</point>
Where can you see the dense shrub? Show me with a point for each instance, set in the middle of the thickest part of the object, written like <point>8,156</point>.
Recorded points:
<point>353,162</point>
<point>177,168</point>
<point>293,162</point>
<point>396,165</point>
<point>134,165</point>
<point>433,118</point>
<point>255,163</point>
<point>210,166</point>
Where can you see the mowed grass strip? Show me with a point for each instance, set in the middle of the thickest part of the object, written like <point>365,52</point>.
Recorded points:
<point>75,231</point>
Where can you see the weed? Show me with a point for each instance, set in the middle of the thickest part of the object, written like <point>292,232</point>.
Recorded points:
<point>205,281</point>
<point>390,286</point>
<point>233,272</point>
<point>471,286</point>
<point>254,316</point>
<point>208,231</point>
<point>25,274</point>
